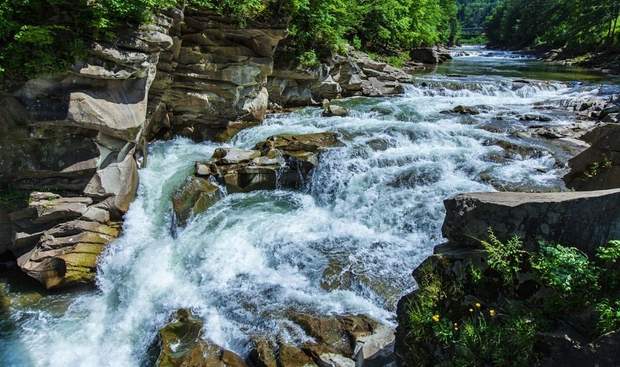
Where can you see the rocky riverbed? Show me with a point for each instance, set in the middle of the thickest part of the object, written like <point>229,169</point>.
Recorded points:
<point>293,241</point>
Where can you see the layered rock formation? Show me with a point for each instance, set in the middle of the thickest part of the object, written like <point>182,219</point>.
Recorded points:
<point>282,161</point>
<point>74,135</point>
<point>577,219</point>
<point>430,55</point>
<point>214,76</point>
<point>344,76</point>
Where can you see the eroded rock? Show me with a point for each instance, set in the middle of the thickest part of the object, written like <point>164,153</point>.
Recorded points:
<point>181,344</point>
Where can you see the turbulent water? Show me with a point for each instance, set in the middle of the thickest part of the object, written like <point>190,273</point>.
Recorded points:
<point>347,243</point>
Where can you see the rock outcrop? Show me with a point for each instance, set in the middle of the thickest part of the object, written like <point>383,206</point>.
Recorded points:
<point>579,219</point>
<point>343,76</point>
<point>80,136</point>
<point>180,343</point>
<point>598,167</point>
<point>75,136</point>
<point>448,278</point>
<point>281,161</point>
<point>214,75</point>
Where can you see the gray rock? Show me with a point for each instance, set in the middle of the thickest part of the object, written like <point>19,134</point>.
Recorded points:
<point>579,219</point>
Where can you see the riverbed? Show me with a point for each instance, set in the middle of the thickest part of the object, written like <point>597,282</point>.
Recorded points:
<point>346,243</point>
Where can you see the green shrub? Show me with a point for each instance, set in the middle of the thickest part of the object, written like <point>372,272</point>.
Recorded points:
<point>308,59</point>
<point>565,269</point>
<point>609,253</point>
<point>505,258</point>
<point>608,315</point>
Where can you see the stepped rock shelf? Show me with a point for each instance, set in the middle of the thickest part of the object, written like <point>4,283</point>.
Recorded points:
<point>283,161</point>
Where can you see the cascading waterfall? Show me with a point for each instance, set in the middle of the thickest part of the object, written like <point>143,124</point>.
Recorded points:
<point>371,213</point>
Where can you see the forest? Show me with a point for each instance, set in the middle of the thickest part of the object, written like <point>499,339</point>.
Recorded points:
<point>576,26</point>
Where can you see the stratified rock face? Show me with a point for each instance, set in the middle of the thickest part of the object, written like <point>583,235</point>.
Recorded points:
<point>353,75</point>
<point>181,345</point>
<point>340,341</point>
<point>598,167</point>
<point>215,74</point>
<point>282,161</point>
<point>579,219</point>
<point>57,240</point>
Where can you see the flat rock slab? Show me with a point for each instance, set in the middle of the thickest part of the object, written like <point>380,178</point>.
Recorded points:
<point>581,219</point>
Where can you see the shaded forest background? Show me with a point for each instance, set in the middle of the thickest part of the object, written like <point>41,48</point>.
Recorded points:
<point>46,36</point>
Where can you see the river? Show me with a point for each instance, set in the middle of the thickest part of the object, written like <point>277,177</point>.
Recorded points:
<point>347,243</point>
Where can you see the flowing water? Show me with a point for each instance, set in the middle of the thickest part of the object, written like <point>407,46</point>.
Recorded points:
<point>347,243</point>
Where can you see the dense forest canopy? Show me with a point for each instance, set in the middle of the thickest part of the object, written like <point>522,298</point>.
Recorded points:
<point>577,26</point>
<point>40,36</point>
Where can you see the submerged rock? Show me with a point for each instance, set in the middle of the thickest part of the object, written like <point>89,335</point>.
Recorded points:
<point>282,161</point>
<point>181,344</point>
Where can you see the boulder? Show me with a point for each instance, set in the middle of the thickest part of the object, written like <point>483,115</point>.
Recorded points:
<point>579,219</point>
<point>330,110</point>
<point>195,197</point>
<point>598,167</point>
<point>181,344</point>
<point>430,55</point>
<point>465,110</point>
<point>337,341</point>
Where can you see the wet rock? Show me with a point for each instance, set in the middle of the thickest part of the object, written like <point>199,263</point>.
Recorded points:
<point>195,197</point>
<point>339,333</point>
<point>534,117</point>
<point>598,167</point>
<point>330,109</point>
<point>181,344</point>
<point>282,161</point>
<point>464,110</point>
<point>66,255</point>
<point>535,217</point>
<point>430,55</point>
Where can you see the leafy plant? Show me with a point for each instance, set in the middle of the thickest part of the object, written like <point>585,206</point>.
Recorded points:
<point>608,315</point>
<point>565,269</point>
<point>309,59</point>
<point>504,257</point>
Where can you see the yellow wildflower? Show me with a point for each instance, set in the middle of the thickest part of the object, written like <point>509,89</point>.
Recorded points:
<point>492,312</point>
<point>436,318</point>
<point>478,305</point>
<point>471,310</point>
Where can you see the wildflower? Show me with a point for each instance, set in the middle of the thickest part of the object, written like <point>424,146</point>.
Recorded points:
<point>492,312</point>
<point>436,318</point>
<point>478,305</point>
<point>471,310</point>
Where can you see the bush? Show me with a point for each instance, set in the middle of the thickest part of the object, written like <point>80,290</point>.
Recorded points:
<point>565,269</point>
<point>308,59</point>
<point>608,315</point>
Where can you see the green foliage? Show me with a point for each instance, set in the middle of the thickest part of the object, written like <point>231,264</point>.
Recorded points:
<point>505,258</point>
<point>309,59</point>
<point>578,26</point>
<point>565,269</point>
<point>608,315</point>
<point>609,253</point>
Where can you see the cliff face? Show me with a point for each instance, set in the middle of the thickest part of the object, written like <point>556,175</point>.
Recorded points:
<point>75,141</point>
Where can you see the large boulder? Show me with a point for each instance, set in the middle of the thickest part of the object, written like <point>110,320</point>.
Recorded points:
<point>181,344</point>
<point>196,196</point>
<point>579,219</point>
<point>598,167</point>
<point>430,55</point>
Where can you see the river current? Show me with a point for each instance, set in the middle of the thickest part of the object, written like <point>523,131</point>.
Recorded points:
<point>346,243</point>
